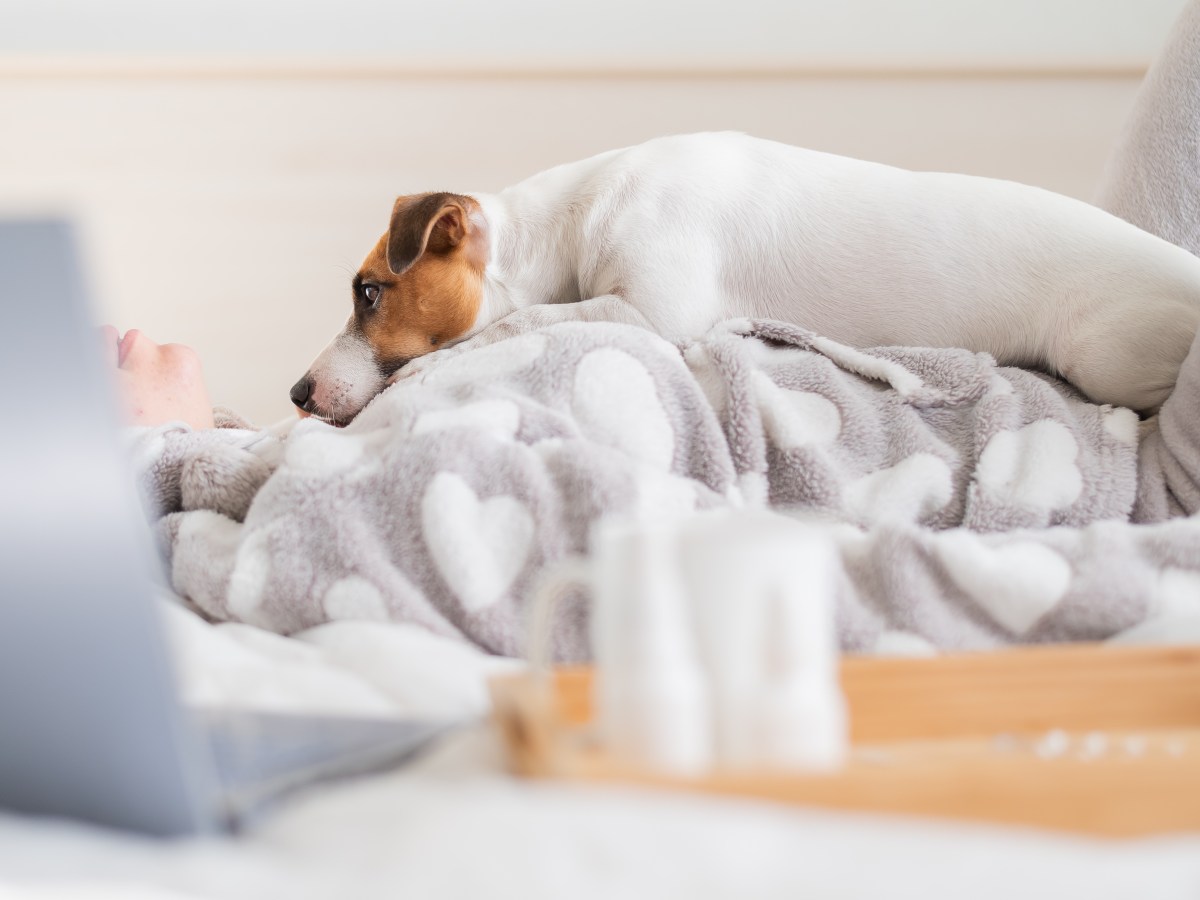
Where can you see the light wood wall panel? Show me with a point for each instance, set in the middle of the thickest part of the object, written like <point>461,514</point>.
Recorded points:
<point>228,211</point>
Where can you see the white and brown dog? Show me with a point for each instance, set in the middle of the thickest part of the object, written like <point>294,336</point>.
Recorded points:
<point>681,232</point>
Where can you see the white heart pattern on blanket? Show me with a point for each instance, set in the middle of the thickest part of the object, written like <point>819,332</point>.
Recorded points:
<point>249,579</point>
<point>316,447</point>
<point>912,489</point>
<point>1015,583</point>
<point>479,547</point>
<point>353,597</point>
<point>1033,467</point>
<point>796,418</point>
<point>203,556</point>
<point>902,644</point>
<point>616,402</point>
<point>499,418</point>
<point>1177,593</point>
<point>700,363</point>
<point>1123,424</point>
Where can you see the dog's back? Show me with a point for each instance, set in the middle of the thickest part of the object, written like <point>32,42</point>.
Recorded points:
<point>697,228</point>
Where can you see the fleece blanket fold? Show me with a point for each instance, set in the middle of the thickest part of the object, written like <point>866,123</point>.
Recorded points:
<point>973,505</point>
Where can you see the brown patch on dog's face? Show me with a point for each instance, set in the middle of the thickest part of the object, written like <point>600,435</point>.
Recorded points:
<point>422,284</point>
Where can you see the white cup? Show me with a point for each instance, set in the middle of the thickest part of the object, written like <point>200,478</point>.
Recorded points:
<point>713,640</point>
<point>650,695</point>
<point>763,591</point>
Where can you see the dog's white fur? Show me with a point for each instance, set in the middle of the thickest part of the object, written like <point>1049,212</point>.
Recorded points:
<point>681,232</point>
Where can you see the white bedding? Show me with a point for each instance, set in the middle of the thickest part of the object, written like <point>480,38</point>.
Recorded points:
<point>454,825</point>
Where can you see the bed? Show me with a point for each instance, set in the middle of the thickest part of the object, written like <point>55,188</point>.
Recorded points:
<point>454,823</point>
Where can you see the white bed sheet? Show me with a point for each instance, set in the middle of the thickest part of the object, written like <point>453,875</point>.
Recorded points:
<point>454,825</point>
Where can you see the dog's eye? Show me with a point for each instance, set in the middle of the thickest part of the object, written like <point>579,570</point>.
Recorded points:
<point>371,293</point>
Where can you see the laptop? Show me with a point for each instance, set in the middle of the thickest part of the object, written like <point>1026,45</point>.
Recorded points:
<point>90,722</point>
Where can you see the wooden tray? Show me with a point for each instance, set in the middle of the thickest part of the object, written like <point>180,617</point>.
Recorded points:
<point>1089,738</point>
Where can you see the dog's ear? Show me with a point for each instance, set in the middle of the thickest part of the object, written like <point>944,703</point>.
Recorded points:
<point>434,223</point>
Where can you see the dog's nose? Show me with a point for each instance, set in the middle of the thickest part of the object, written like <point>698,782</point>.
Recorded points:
<point>301,391</point>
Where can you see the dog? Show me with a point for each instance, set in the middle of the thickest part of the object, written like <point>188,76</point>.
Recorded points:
<point>681,232</point>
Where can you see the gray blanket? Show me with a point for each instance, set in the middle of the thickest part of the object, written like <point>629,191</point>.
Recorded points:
<point>973,505</point>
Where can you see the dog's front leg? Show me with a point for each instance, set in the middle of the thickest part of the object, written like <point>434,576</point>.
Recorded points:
<point>608,308</point>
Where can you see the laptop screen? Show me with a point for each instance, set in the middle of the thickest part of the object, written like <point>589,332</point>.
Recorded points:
<point>89,725</point>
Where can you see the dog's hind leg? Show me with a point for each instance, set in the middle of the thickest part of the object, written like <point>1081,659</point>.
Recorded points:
<point>1132,357</point>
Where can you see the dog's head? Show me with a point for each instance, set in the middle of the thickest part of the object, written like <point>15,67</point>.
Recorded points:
<point>420,288</point>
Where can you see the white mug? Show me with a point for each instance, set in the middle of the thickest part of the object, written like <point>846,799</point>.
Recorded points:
<point>713,640</point>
